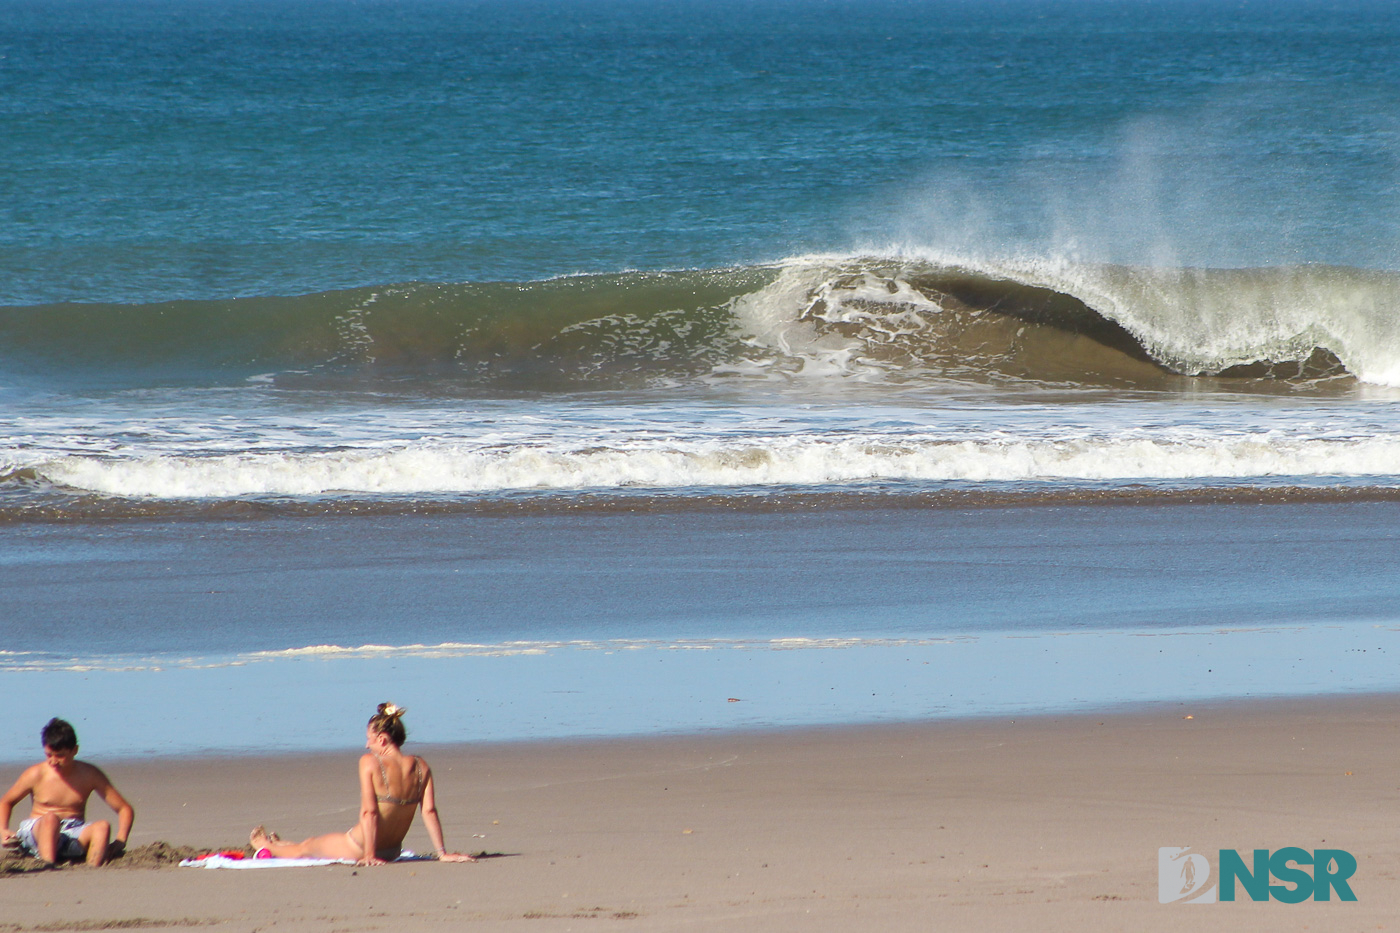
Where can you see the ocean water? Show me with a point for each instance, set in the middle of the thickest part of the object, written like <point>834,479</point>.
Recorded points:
<point>285,273</point>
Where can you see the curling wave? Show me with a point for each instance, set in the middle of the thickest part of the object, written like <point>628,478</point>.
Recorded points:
<point>885,318</point>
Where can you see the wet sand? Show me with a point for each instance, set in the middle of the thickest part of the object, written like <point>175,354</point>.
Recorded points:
<point>1046,823</point>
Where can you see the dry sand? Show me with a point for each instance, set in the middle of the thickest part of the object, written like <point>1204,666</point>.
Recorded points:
<point>1045,823</point>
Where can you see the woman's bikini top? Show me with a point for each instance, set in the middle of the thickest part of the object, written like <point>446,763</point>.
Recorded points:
<point>414,798</point>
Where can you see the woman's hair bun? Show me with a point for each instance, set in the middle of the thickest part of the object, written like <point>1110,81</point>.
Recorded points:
<point>391,710</point>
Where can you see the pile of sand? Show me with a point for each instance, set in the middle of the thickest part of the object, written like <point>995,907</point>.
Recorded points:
<point>154,855</point>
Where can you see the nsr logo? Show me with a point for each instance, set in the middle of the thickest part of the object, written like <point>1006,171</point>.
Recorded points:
<point>1183,875</point>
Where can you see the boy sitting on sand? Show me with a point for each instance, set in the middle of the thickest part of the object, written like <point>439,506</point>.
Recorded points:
<point>60,785</point>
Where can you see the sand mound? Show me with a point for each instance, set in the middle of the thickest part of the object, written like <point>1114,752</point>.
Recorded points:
<point>154,855</point>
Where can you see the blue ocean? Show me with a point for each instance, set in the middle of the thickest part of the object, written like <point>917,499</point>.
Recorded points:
<point>567,367</point>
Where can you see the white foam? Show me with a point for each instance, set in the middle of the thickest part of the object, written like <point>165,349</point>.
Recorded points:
<point>24,661</point>
<point>446,649</point>
<point>778,460</point>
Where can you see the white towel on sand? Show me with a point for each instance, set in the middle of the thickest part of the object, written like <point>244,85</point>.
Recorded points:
<point>223,861</point>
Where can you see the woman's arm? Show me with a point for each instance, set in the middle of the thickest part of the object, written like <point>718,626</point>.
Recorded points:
<point>369,812</point>
<point>433,824</point>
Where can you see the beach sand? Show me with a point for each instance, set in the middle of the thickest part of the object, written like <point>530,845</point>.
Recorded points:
<point>1043,823</point>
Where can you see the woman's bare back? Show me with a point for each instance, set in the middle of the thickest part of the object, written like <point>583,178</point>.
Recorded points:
<point>398,792</point>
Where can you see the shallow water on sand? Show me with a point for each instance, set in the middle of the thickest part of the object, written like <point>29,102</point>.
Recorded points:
<point>511,627</point>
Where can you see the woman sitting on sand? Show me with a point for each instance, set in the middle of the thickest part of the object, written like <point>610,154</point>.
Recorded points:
<point>392,785</point>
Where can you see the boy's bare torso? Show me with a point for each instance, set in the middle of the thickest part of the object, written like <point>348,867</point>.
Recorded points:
<point>64,795</point>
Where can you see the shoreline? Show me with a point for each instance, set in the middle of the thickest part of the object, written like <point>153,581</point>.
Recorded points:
<point>1274,704</point>
<point>56,507</point>
<point>1047,822</point>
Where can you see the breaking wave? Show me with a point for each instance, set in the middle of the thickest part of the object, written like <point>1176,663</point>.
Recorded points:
<point>884,318</point>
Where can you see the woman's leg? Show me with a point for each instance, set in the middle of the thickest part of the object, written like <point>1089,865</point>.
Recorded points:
<point>331,845</point>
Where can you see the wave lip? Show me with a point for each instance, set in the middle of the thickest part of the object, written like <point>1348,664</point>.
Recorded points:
<point>1273,321</point>
<point>893,317</point>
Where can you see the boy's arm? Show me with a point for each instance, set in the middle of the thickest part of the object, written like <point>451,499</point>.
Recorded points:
<point>21,789</point>
<point>126,814</point>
